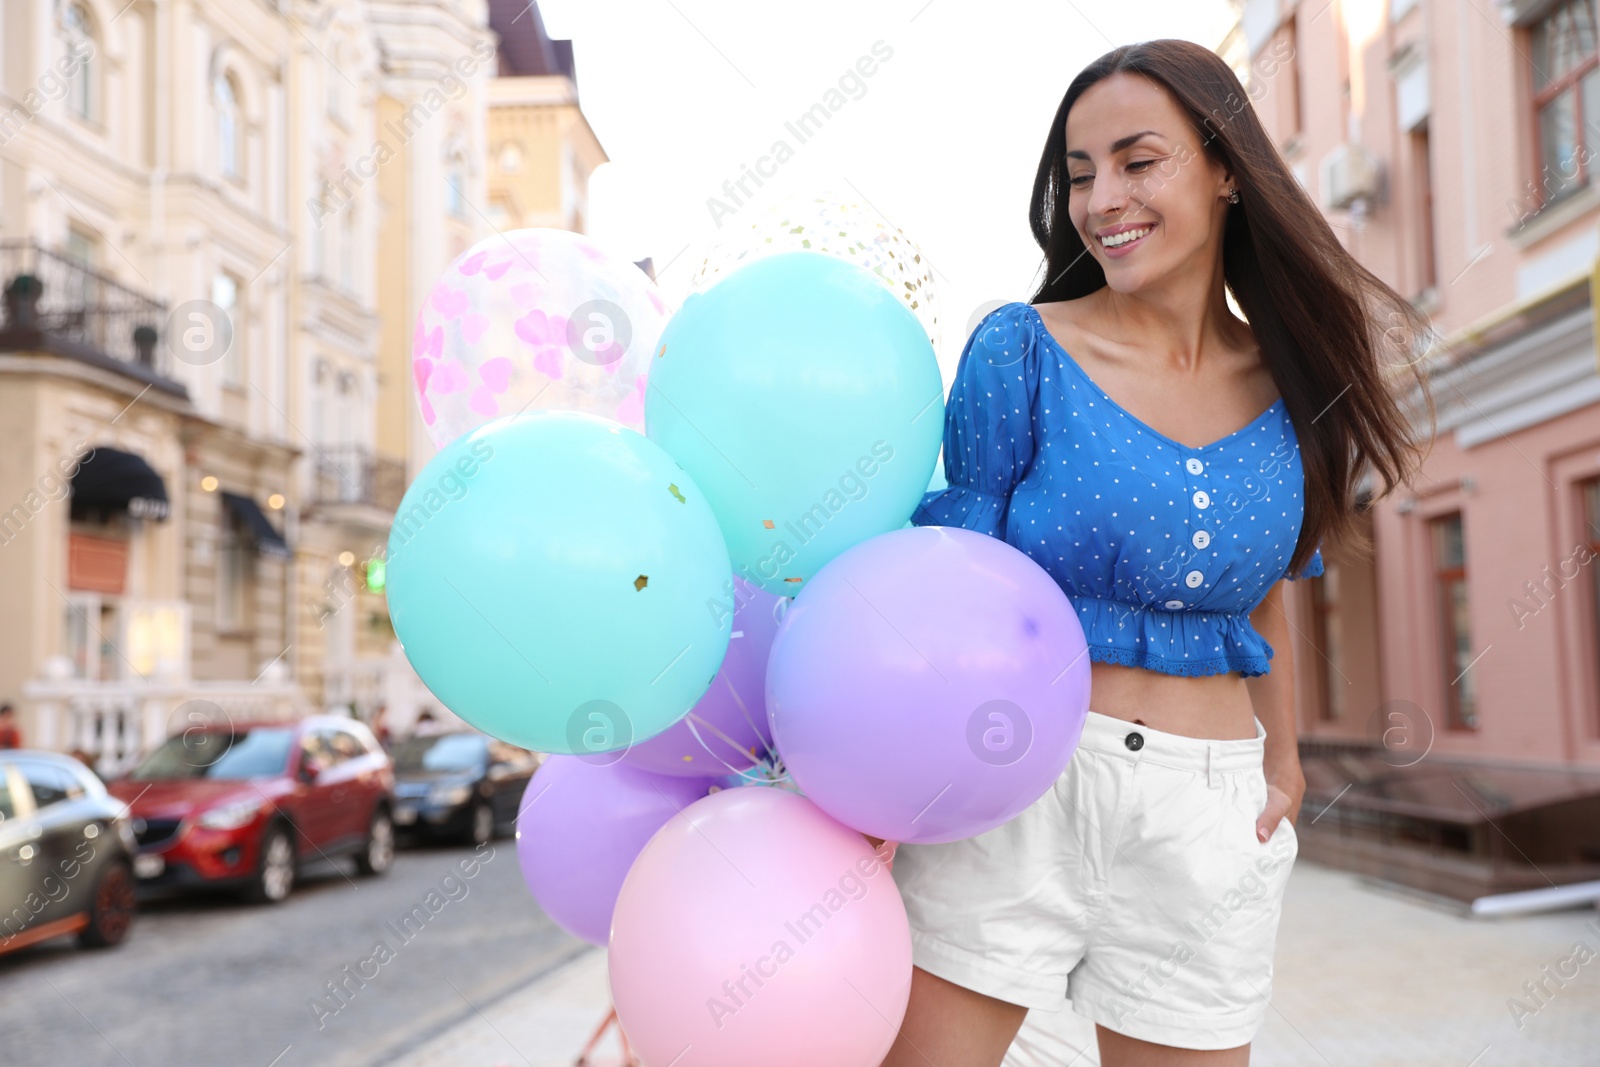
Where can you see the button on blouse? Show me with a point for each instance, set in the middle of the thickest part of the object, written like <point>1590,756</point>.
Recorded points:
<point>1163,549</point>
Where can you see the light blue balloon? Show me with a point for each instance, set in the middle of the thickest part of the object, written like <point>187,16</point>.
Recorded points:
<point>558,581</point>
<point>805,400</point>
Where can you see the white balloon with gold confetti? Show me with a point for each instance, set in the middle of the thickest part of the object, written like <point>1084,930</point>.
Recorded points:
<point>836,225</point>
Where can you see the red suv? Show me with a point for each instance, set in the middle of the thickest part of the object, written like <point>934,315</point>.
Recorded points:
<point>244,805</point>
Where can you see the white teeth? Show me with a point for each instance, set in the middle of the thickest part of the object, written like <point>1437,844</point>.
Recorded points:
<point>1124,237</point>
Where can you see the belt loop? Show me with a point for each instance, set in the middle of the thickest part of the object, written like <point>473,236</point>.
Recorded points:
<point>1211,765</point>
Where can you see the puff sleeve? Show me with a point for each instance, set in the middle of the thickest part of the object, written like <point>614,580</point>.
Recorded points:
<point>988,427</point>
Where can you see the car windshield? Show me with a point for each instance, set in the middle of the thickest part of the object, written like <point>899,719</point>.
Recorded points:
<point>219,754</point>
<point>441,752</point>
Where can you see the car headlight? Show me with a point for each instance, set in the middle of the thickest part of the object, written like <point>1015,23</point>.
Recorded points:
<point>450,795</point>
<point>230,816</point>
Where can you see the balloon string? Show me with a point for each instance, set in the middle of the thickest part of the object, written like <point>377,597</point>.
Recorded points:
<point>745,711</point>
<point>764,770</point>
<point>692,719</point>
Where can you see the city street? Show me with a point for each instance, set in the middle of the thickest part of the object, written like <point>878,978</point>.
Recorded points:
<point>207,979</point>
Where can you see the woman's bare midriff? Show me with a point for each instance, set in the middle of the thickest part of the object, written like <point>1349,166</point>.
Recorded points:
<point>1214,706</point>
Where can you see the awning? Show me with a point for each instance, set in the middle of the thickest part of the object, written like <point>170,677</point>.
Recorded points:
<point>111,482</point>
<point>250,517</point>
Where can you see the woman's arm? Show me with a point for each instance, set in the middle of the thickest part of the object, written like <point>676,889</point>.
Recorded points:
<point>1272,695</point>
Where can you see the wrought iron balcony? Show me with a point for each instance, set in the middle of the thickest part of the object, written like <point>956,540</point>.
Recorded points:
<point>55,304</point>
<point>346,475</point>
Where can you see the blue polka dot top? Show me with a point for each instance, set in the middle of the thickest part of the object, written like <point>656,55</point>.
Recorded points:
<point>1163,549</point>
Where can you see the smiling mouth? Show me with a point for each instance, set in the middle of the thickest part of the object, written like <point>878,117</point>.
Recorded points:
<point>1117,240</point>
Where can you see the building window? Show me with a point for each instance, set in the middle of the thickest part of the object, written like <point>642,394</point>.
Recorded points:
<point>225,295</point>
<point>347,250</point>
<point>235,570</point>
<point>79,40</point>
<point>81,248</point>
<point>1452,609</point>
<point>455,193</point>
<point>1422,167</point>
<point>1566,96</point>
<point>333,73</point>
<point>228,142</point>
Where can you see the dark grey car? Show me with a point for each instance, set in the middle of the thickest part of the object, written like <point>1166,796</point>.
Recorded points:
<point>66,850</point>
<point>461,784</point>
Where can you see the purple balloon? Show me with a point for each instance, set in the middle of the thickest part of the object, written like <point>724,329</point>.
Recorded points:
<point>580,828</point>
<point>726,730</point>
<point>928,684</point>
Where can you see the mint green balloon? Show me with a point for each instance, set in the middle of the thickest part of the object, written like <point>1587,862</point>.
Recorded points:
<point>558,580</point>
<point>805,400</point>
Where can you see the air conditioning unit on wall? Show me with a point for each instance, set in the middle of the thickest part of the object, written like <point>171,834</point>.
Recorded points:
<point>1351,173</point>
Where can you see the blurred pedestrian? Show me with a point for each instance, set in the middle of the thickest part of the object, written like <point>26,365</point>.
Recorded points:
<point>380,724</point>
<point>427,724</point>
<point>10,736</point>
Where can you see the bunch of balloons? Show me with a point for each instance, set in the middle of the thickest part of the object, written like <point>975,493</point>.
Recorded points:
<point>739,656</point>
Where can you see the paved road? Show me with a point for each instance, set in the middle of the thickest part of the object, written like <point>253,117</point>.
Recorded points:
<point>205,981</point>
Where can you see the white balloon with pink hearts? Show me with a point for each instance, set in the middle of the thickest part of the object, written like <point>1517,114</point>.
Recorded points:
<point>535,319</point>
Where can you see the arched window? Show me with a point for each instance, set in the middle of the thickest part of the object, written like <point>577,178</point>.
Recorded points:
<point>228,142</point>
<point>79,41</point>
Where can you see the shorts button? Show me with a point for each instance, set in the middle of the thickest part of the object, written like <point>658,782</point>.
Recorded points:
<point>1134,741</point>
<point>1174,605</point>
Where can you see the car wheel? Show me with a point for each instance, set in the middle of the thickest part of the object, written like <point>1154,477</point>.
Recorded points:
<point>111,910</point>
<point>481,828</point>
<point>378,855</point>
<point>275,868</point>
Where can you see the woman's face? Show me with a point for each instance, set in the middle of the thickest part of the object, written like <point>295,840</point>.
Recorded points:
<point>1134,162</point>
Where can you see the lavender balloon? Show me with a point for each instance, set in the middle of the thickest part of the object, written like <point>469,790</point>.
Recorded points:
<point>726,730</point>
<point>928,684</point>
<point>579,829</point>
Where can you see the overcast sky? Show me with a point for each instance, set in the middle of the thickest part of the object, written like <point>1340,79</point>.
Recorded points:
<point>943,138</point>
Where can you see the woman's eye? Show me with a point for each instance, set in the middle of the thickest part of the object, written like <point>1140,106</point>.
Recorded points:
<point>1141,164</point>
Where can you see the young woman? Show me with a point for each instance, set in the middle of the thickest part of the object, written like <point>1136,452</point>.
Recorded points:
<point>1168,463</point>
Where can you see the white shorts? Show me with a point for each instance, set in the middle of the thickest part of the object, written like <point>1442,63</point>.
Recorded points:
<point>1136,888</point>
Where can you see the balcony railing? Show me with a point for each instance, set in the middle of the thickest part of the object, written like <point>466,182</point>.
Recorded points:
<point>61,300</point>
<point>348,475</point>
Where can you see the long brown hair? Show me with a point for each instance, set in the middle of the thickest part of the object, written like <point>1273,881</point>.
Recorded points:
<point>1334,335</point>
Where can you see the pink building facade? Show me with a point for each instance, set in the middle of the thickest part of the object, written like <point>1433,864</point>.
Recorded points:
<point>1455,148</point>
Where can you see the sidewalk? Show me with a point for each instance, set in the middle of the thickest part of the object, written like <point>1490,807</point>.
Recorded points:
<point>1366,977</point>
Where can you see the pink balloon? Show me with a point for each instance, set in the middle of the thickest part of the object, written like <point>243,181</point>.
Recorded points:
<point>757,930</point>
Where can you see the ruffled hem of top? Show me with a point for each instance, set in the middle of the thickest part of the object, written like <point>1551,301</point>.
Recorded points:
<point>966,508</point>
<point>1154,638</point>
<point>1313,567</point>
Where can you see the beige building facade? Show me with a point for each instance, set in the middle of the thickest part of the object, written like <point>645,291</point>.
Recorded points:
<point>268,192</point>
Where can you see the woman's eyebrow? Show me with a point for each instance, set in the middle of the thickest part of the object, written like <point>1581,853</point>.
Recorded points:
<point>1116,146</point>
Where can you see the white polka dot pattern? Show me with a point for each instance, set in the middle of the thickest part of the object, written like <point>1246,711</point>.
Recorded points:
<point>1163,549</point>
